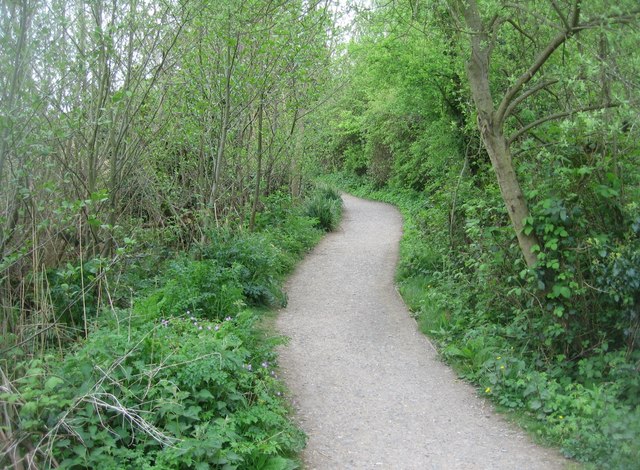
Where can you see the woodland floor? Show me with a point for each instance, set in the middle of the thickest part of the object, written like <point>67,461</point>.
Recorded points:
<point>367,386</point>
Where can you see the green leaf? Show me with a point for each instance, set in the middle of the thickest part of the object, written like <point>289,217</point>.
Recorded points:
<point>28,408</point>
<point>535,405</point>
<point>52,383</point>
<point>552,244</point>
<point>560,290</point>
<point>279,463</point>
<point>203,394</point>
<point>453,351</point>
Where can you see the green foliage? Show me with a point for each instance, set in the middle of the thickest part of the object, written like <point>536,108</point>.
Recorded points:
<point>186,379</point>
<point>204,288</point>
<point>587,269</point>
<point>556,343</point>
<point>325,205</point>
<point>73,292</point>
<point>90,165</point>
<point>253,259</point>
<point>289,231</point>
<point>176,393</point>
<point>327,192</point>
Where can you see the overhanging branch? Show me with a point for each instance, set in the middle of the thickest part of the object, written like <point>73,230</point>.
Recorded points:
<point>525,95</point>
<point>553,117</point>
<point>521,31</point>
<point>538,63</point>
<point>624,18</point>
<point>562,17</point>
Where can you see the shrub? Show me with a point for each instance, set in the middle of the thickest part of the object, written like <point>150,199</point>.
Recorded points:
<point>163,393</point>
<point>185,379</point>
<point>253,259</point>
<point>204,288</point>
<point>325,205</point>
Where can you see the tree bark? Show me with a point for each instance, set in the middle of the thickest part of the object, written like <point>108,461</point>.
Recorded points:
<point>232,51</point>
<point>298,150</point>
<point>517,208</point>
<point>256,196</point>
<point>491,130</point>
<point>222,141</point>
<point>10,98</point>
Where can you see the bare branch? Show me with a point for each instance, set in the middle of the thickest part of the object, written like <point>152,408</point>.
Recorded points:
<point>525,95</point>
<point>555,116</point>
<point>540,18</point>
<point>538,63</point>
<point>562,17</point>
<point>624,18</point>
<point>494,22</point>
<point>521,31</point>
<point>575,17</point>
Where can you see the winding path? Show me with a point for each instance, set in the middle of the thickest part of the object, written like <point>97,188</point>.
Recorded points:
<point>367,386</point>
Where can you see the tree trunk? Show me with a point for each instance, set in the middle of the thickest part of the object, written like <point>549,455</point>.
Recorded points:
<point>221,145</point>
<point>491,131</point>
<point>10,98</point>
<point>226,112</point>
<point>256,196</point>
<point>496,145</point>
<point>298,150</point>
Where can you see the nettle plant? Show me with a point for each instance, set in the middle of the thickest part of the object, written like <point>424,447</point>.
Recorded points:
<point>175,392</point>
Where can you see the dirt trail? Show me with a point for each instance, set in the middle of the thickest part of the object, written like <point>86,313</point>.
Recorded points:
<point>367,386</point>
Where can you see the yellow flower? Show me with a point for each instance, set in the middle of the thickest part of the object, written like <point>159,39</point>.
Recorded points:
<point>561,417</point>
<point>501,367</point>
<point>498,358</point>
<point>487,390</point>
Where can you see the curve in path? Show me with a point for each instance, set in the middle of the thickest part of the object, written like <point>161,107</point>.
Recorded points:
<point>367,386</point>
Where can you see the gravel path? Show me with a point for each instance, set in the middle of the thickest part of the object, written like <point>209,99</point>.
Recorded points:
<point>367,386</point>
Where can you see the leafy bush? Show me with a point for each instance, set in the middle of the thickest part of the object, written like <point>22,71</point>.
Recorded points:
<point>74,291</point>
<point>184,380</point>
<point>328,192</point>
<point>169,393</point>
<point>293,240</point>
<point>287,229</point>
<point>204,288</point>
<point>253,259</point>
<point>325,205</point>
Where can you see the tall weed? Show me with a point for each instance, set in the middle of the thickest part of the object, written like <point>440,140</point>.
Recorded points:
<point>325,205</point>
<point>183,379</point>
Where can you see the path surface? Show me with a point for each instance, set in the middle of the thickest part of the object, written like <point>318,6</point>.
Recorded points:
<point>367,386</point>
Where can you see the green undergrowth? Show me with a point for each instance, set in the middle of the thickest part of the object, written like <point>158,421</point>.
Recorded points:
<point>325,206</point>
<point>587,404</point>
<point>186,377</point>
